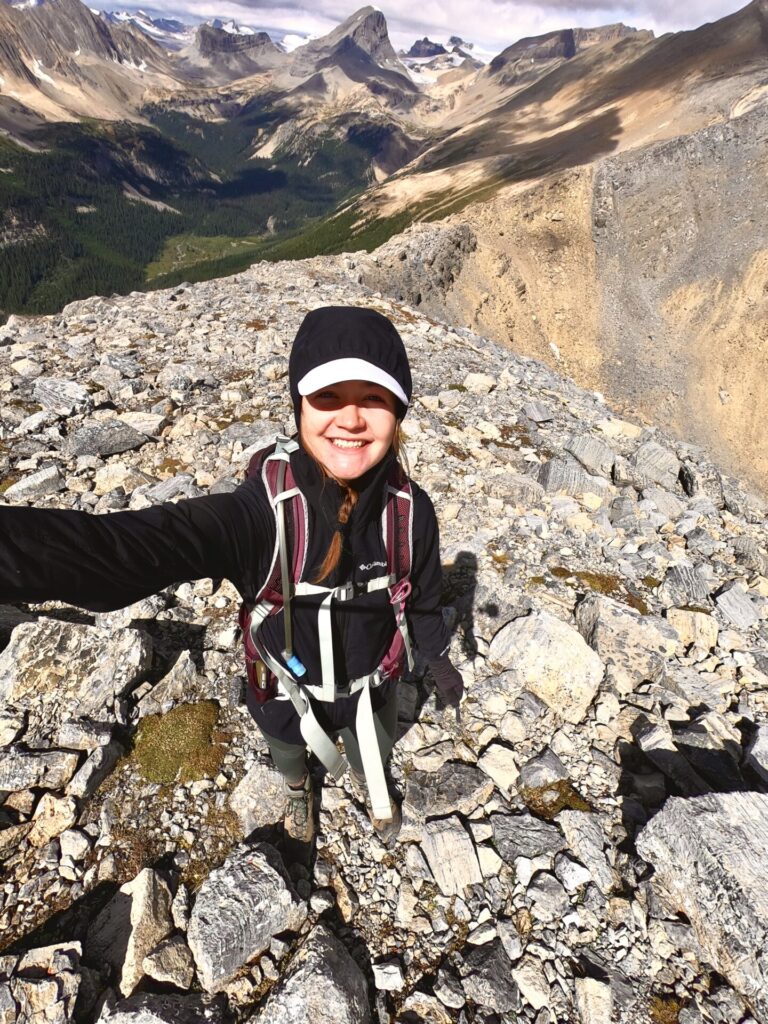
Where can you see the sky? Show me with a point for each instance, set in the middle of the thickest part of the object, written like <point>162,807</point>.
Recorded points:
<point>490,24</point>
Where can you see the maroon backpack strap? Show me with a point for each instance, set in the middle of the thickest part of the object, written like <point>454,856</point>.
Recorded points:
<point>297,522</point>
<point>397,525</point>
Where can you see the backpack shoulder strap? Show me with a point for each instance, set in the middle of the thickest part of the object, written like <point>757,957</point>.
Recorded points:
<point>280,485</point>
<point>397,523</point>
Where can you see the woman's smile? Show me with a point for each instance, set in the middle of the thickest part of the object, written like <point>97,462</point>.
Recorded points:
<point>348,427</point>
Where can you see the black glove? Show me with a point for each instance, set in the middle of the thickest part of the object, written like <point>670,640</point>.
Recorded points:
<point>448,680</point>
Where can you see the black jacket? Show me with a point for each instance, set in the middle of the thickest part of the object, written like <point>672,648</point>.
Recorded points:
<point>103,562</point>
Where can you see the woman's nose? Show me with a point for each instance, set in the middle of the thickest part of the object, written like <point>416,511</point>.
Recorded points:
<point>350,417</point>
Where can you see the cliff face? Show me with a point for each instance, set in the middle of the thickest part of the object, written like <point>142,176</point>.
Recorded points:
<point>621,241</point>
<point>643,277</point>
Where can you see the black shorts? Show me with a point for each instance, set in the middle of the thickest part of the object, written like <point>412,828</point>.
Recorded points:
<point>279,719</point>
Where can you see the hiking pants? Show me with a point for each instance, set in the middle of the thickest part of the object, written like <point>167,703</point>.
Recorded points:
<point>288,750</point>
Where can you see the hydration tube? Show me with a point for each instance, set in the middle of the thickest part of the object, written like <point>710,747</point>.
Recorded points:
<point>286,578</point>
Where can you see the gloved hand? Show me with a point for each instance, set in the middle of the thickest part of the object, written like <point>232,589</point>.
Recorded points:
<point>448,680</point>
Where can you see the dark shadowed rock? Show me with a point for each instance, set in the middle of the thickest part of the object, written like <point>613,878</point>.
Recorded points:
<point>454,787</point>
<point>487,978</point>
<point>522,835</point>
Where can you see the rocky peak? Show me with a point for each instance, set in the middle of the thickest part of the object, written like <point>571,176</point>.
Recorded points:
<point>211,40</point>
<point>551,46</point>
<point>585,37</point>
<point>426,48</point>
<point>365,30</point>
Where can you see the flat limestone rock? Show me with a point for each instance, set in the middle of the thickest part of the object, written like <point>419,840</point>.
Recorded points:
<point>654,464</point>
<point>21,769</point>
<point>552,660</point>
<point>595,455</point>
<point>567,476</point>
<point>522,835</point>
<point>694,627</point>
<point>64,397</point>
<point>585,835</point>
<point>69,670</point>
<point>44,481</point>
<point>323,985</point>
<point>451,856</point>
<point>240,907</point>
<point>736,606</point>
<point>632,646</point>
<point>107,437</point>
<point>710,860</point>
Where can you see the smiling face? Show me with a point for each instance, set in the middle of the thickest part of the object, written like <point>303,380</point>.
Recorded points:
<point>348,427</point>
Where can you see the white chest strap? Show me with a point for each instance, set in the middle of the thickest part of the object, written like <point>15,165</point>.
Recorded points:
<point>324,622</point>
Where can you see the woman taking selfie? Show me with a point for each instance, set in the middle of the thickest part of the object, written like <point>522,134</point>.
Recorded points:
<point>334,550</point>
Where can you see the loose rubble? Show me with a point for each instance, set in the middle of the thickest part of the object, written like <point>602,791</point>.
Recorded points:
<point>585,841</point>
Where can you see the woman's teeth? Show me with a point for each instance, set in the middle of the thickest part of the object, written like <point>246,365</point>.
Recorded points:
<point>337,441</point>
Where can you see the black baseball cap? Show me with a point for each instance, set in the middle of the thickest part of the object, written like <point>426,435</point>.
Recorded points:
<point>337,343</point>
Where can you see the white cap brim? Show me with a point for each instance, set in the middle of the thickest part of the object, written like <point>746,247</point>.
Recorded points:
<point>338,370</point>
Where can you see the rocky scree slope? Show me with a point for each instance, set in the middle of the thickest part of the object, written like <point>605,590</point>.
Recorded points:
<point>585,841</point>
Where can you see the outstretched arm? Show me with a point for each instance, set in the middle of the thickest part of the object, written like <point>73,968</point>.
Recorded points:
<point>102,562</point>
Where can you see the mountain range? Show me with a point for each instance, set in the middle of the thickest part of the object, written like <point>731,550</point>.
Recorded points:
<point>595,189</point>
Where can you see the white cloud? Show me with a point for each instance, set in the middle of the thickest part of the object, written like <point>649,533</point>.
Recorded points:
<point>492,24</point>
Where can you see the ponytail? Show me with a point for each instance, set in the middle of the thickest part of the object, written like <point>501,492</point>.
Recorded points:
<point>333,554</point>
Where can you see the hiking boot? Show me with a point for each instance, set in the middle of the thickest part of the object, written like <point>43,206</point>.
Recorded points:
<point>299,821</point>
<point>385,828</point>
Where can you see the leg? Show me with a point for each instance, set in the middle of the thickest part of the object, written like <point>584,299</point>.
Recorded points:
<point>385,722</point>
<point>290,759</point>
<point>277,726</point>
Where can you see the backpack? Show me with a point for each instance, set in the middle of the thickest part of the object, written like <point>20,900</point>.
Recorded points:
<point>267,676</point>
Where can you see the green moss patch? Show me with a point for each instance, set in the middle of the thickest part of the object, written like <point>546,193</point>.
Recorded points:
<point>547,801</point>
<point>601,583</point>
<point>181,745</point>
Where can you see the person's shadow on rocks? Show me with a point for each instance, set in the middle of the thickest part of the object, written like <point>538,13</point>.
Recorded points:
<point>458,600</point>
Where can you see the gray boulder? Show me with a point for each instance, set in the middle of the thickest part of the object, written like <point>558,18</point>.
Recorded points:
<point>107,437</point>
<point>549,658</point>
<point>64,397</point>
<point>634,647</point>
<point>453,787</point>
<point>69,670</point>
<point>522,835</point>
<point>240,907</point>
<point>710,862</point>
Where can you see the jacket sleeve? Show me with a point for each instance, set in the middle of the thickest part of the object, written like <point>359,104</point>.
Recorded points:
<point>425,614</point>
<point>103,562</point>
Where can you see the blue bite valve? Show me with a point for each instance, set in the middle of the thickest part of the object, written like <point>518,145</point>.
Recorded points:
<point>294,664</point>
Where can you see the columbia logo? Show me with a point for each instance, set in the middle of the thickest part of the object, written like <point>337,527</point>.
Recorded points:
<point>373,565</point>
